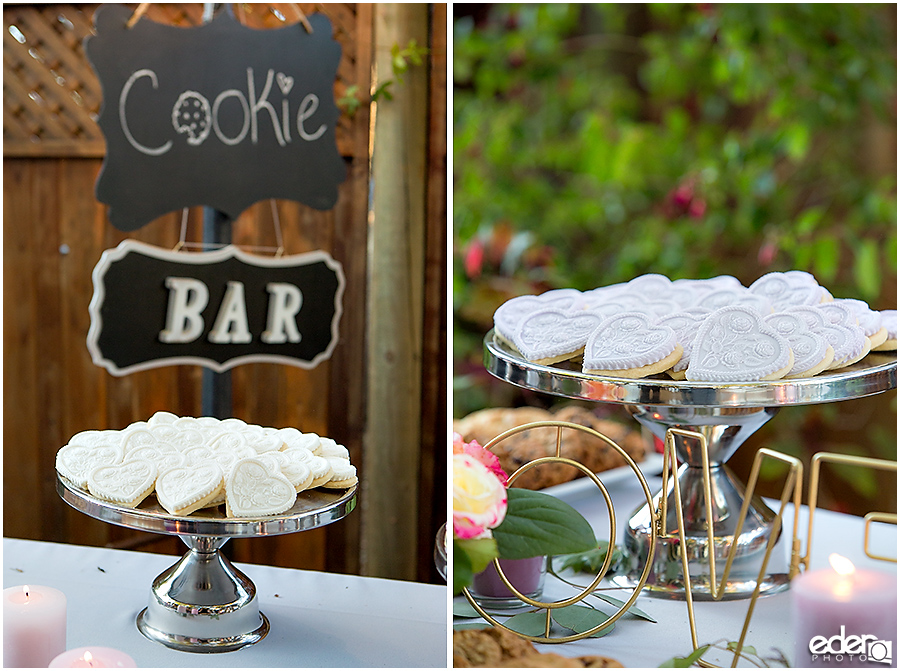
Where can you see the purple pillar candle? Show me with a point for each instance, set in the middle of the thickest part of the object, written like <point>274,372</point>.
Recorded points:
<point>526,575</point>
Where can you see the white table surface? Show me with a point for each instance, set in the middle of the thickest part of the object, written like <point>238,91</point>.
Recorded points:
<point>638,643</point>
<point>316,620</point>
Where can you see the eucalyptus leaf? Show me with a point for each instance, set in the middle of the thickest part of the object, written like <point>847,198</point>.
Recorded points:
<point>529,624</point>
<point>634,610</point>
<point>539,524</point>
<point>464,609</point>
<point>685,662</point>
<point>459,626</point>
<point>581,619</point>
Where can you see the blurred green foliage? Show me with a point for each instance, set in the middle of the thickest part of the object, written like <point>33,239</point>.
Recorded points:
<point>594,143</point>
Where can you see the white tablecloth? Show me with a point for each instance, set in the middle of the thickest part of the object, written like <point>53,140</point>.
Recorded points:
<point>639,643</point>
<point>316,620</point>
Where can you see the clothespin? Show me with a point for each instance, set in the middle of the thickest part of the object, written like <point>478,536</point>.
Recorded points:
<point>138,13</point>
<point>302,17</point>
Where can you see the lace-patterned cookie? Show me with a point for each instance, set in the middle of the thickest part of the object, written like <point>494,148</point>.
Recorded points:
<point>843,332</point>
<point>509,316</point>
<point>685,325</point>
<point>550,335</point>
<point>867,319</point>
<point>630,345</point>
<point>889,322</point>
<point>793,288</point>
<point>734,345</point>
<point>76,461</point>
<point>253,490</point>
<point>183,489</point>
<point>812,353</point>
<point>125,484</point>
<point>721,298</point>
<point>343,473</point>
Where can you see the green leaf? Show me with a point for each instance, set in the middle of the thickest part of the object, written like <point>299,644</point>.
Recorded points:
<point>634,610</point>
<point>539,524</point>
<point>685,662</point>
<point>459,626</point>
<point>581,619</point>
<point>470,556</point>
<point>746,650</point>
<point>592,560</point>
<point>464,609</point>
<point>529,624</point>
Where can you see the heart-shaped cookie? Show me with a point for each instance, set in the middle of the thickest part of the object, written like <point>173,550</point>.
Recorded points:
<point>632,345</point>
<point>812,353</point>
<point>734,345</point>
<point>847,340</point>
<point>75,462</point>
<point>183,490</point>
<point>126,484</point>
<point>550,335</point>
<point>685,325</point>
<point>889,322</point>
<point>509,316</point>
<point>252,490</point>
<point>789,289</point>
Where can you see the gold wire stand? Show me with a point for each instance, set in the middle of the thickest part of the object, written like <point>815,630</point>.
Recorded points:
<point>549,606</point>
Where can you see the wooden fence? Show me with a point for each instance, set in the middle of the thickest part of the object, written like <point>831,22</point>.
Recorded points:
<point>55,230</point>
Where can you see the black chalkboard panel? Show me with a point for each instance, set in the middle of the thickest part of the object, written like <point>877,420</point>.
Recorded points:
<point>153,307</point>
<point>220,115</point>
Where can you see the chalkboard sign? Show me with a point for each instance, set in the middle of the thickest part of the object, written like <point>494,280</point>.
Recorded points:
<point>220,115</point>
<point>153,307</point>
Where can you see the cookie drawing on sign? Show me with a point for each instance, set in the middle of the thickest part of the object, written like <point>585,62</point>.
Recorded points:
<point>193,116</point>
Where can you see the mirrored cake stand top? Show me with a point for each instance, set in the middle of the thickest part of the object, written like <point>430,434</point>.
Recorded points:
<point>875,373</point>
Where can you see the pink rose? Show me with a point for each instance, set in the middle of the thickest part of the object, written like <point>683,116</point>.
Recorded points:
<point>486,457</point>
<point>479,497</point>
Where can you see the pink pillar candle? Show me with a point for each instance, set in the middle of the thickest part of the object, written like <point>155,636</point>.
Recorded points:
<point>526,575</point>
<point>93,657</point>
<point>844,617</point>
<point>34,625</point>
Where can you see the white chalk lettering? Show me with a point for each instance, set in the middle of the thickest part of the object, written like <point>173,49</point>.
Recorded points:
<point>307,108</point>
<point>285,301</point>
<point>187,299</point>
<point>123,97</point>
<point>231,93</point>
<point>262,103</point>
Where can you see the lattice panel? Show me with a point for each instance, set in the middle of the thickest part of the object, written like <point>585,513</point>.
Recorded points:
<point>51,95</point>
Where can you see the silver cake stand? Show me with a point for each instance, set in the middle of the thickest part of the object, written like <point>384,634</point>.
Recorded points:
<point>203,603</point>
<point>726,414</point>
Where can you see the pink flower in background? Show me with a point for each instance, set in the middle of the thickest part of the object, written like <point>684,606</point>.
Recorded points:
<point>486,457</point>
<point>479,497</point>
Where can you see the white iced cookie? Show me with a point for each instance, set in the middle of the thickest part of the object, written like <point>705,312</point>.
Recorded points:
<point>869,320</point>
<point>630,345</point>
<point>138,434</point>
<point>550,335</point>
<point>848,341</point>
<point>685,325</point>
<point>163,455</point>
<point>261,441</point>
<point>889,322</point>
<point>179,438</point>
<point>75,462</point>
<point>184,489</point>
<point>789,289</point>
<point>319,467</point>
<point>734,345</point>
<point>812,353</point>
<point>844,334</point>
<point>343,474</point>
<point>161,417</point>
<point>330,448</point>
<point>721,298</point>
<point>91,438</point>
<point>125,484</point>
<point>509,315</point>
<point>295,469</point>
<point>294,438</point>
<point>252,490</point>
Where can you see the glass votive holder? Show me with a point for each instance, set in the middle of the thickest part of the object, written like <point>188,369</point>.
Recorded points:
<point>526,575</point>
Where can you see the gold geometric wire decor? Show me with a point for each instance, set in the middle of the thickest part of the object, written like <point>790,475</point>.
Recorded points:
<point>549,606</point>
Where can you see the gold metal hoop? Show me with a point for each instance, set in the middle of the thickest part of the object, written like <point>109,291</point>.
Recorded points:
<point>549,606</point>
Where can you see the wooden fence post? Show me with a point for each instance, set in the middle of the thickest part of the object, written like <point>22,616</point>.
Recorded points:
<point>389,498</point>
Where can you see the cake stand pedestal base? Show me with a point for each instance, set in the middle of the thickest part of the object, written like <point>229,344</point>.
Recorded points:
<point>725,430</point>
<point>203,603</point>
